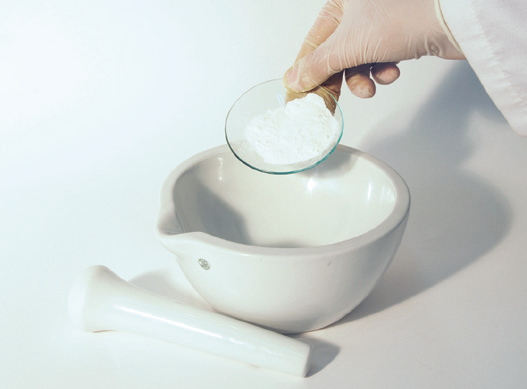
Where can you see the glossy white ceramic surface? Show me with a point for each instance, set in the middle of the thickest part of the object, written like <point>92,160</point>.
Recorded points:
<point>292,253</point>
<point>100,300</point>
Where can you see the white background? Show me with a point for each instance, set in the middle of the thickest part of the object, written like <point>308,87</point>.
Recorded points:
<point>100,100</point>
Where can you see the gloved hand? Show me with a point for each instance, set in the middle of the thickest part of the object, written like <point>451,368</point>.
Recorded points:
<point>363,40</point>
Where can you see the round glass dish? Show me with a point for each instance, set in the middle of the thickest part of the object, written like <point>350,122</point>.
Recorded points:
<point>258,100</point>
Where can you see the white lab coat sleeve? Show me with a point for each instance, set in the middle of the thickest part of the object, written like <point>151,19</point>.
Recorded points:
<point>493,36</point>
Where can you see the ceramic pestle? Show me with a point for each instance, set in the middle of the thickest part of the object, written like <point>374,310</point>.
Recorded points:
<point>100,300</point>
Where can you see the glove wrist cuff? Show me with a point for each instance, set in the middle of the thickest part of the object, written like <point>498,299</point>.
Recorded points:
<point>441,19</point>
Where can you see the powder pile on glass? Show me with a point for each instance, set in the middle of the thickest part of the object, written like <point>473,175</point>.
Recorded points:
<point>302,130</point>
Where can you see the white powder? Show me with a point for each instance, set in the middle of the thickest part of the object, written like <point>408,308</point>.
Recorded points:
<point>302,130</point>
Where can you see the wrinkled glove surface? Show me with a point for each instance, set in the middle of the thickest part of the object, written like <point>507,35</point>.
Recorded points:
<point>361,42</point>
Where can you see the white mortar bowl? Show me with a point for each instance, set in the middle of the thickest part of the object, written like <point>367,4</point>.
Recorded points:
<point>292,253</point>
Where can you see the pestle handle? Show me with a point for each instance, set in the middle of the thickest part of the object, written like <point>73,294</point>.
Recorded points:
<point>100,300</point>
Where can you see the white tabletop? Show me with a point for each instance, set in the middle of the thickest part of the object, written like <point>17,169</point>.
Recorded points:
<point>99,101</point>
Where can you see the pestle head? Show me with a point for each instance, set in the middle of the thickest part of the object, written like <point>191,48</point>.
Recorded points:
<point>80,294</point>
<point>91,298</point>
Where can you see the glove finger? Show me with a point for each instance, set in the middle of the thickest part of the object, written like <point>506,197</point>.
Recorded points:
<point>359,81</point>
<point>328,90</point>
<point>310,71</point>
<point>385,73</point>
<point>326,23</point>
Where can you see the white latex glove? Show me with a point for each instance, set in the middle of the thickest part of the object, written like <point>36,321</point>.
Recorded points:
<point>364,40</point>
